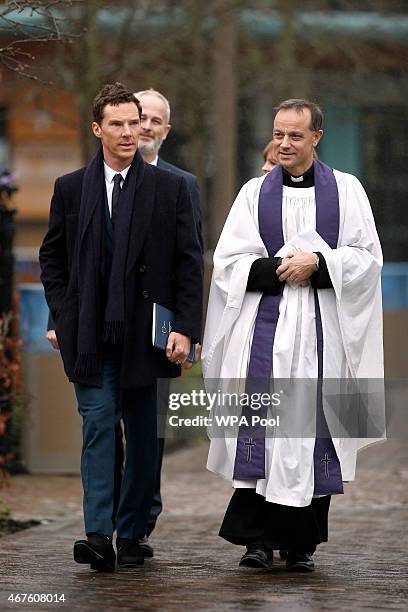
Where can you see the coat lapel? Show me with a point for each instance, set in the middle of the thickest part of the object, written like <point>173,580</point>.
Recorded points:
<point>142,213</point>
<point>92,191</point>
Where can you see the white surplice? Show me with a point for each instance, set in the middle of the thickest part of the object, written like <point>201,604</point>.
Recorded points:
<point>351,316</point>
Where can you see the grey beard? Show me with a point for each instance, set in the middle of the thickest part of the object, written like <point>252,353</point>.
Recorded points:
<point>150,147</point>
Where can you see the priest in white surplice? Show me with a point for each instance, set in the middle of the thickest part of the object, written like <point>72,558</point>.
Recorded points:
<point>295,294</point>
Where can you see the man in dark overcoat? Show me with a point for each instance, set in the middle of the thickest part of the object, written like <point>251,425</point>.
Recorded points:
<point>155,127</point>
<point>121,237</point>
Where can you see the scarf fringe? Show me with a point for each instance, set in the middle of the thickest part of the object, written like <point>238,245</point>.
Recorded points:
<point>113,332</point>
<point>87,365</point>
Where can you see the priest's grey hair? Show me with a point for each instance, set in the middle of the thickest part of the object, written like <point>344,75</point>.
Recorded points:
<point>153,92</point>
<point>298,104</point>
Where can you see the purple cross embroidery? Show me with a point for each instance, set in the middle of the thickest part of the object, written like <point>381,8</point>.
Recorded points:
<point>249,444</point>
<point>326,462</point>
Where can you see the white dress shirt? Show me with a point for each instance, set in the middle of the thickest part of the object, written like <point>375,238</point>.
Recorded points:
<point>109,175</point>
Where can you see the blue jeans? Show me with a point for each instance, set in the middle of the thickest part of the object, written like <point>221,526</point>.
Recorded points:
<point>111,501</point>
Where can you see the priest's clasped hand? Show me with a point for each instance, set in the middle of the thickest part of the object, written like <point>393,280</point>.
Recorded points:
<point>178,348</point>
<point>297,268</point>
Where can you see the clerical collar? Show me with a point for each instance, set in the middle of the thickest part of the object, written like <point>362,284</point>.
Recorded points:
<point>305,180</point>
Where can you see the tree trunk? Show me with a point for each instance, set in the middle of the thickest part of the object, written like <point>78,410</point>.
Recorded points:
<point>225,121</point>
<point>292,78</point>
<point>196,110</point>
<point>87,78</point>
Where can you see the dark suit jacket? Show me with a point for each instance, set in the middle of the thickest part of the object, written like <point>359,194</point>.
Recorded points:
<point>164,265</point>
<point>192,184</point>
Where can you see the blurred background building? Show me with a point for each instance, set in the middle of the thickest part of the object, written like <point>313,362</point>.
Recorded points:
<point>224,65</point>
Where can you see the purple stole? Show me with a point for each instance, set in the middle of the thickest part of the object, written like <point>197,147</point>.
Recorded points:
<point>250,454</point>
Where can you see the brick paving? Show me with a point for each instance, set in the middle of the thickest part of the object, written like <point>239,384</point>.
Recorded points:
<point>363,567</point>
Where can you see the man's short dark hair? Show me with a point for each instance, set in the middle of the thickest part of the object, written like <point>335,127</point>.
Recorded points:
<point>298,104</point>
<point>113,94</point>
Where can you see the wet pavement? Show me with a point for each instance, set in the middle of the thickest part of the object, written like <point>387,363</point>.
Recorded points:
<point>362,567</point>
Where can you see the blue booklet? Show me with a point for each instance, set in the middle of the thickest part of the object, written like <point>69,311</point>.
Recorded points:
<point>163,320</point>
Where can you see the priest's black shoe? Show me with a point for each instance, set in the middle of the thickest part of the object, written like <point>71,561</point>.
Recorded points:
<point>299,562</point>
<point>129,553</point>
<point>257,556</point>
<point>146,548</point>
<point>97,551</point>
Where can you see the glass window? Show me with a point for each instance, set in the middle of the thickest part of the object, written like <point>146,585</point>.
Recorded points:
<point>385,176</point>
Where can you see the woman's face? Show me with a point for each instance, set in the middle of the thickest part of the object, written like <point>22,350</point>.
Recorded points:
<point>270,162</point>
<point>270,157</point>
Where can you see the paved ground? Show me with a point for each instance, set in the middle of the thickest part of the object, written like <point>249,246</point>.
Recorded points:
<point>363,567</point>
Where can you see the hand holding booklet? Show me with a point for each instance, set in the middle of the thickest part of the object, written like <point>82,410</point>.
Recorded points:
<point>163,321</point>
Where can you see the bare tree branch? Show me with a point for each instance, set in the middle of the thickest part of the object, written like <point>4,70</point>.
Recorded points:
<point>24,23</point>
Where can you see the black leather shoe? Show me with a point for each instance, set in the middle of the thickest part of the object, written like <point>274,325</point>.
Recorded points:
<point>299,562</point>
<point>146,548</point>
<point>257,556</point>
<point>97,550</point>
<point>129,553</point>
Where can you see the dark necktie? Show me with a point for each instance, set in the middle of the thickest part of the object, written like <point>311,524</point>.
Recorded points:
<point>115,196</point>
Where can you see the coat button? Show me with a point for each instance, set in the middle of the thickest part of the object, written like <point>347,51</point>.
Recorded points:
<point>145,294</point>
<point>142,268</point>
